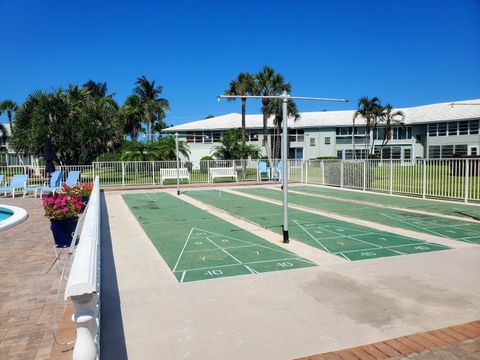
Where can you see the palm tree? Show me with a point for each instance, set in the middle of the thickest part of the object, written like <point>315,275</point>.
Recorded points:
<point>391,118</point>
<point>369,110</point>
<point>275,108</point>
<point>168,149</point>
<point>153,107</point>
<point>267,82</point>
<point>243,85</point>
<point>231,147</point>
<point>131,113</point>
<point>97,89</point>
<point>9,106</point>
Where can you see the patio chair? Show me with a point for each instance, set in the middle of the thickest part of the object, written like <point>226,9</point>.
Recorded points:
<point>55,180</point>
<point>18,182</point>
<point>263,169</point>
<point>1,179</point>
<point>277,172</point>
<point>72,179</point>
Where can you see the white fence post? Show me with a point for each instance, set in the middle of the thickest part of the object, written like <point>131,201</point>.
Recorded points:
<point>391,176</point>
<point>364,175</point>
<point>153,173</point>
<point>322,166</point>
<point>424,182</point>
<point>341,173</point>
<point>307,163</point>
<point>467,173</point>
<point>301,171</point>
<point>123,173</point>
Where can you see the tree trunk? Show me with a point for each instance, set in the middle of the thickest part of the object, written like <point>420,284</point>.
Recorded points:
<point>9,114</point>
<point>265,137</point>
<point>244,130</point>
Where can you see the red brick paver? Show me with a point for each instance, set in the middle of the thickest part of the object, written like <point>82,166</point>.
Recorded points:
<point>455,342</point>
<point>27,294</point>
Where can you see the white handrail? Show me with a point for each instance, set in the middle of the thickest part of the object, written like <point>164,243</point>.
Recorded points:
<point>83,286</point>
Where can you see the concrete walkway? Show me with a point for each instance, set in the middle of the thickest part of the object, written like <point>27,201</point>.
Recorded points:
<point>27,294</point>
<point>279,315</point>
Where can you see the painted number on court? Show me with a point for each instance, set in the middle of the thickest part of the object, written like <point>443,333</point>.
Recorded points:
<point>285,264</point>
<point>214,272</point>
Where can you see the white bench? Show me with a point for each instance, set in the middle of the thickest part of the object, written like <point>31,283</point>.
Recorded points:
<point>172,174</point>
<point>222,172</point>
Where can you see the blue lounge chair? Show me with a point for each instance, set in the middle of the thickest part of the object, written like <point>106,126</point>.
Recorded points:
<point>55,180</point>
<point>1,179</point>
<point>72,179</point>
<point>18,182</point>
<point>263,169</point>
<point>277,172</point>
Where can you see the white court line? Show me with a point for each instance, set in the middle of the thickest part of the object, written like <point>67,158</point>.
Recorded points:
<point>225,251</point>
<point>348,237</point>
<point>246,263</point>
<point>233,247</point>
<point>295,221</point>
<point>183,276</point>
<point>426,229</point>
<point>183,249</point>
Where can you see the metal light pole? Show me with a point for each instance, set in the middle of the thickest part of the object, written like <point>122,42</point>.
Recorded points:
<point>284,97</point>
<point>178,164</point>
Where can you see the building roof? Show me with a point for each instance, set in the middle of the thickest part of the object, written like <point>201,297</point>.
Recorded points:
<point>469,109</point>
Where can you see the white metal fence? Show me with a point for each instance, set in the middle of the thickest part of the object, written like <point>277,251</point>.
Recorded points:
<point>446,178</point>
<point>452,178</point>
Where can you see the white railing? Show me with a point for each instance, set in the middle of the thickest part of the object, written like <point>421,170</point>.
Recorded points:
<point>442,178</point>
<point>83,286</point>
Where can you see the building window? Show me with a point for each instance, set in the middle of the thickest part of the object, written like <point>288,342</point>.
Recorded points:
<point>327,140</point>
<point>296,135</point>
<point>190,137</point>
<point>473,127</point>
<point>217,136</point>
<point>339,154</point>
<point>447,151</point>
<point>453,128</point>
<point>407,154</point>
<point>434,152</point>
<point>432,129</point>
<point>253,135</point>
<point>359,154</point>
<point>312,141</point>
<point>463,128</point>
<point>442,129</point>
<point>460,150</point>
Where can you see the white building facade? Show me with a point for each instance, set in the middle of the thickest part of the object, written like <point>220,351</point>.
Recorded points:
<point>442,130</point>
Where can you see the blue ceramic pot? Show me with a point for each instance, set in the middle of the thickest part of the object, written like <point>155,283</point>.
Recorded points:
<point>62,231</point>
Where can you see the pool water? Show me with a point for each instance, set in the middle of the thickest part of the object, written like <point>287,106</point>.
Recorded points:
<point>5,214</point>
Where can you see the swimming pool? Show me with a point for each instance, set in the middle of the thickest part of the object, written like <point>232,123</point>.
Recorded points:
<point>11,216</point>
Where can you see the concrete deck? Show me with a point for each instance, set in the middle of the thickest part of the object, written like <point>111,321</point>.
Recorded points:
<point>27,293</point>
<point>147,314</point>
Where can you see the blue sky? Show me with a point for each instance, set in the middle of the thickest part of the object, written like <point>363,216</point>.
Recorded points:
<point>405,52</point>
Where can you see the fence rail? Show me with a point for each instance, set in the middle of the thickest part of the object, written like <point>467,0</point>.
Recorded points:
<point>452,178</point>
<point>83,286</point>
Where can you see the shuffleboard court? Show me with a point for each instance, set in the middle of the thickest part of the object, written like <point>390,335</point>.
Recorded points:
<point>350,241</point>
<point>432,206</point>
<point>197,245</point>
<point>466,231</point>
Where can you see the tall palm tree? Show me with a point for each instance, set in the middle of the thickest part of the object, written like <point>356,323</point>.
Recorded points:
<point>131,113</point>
<point>369,110</point>
<point>268,83</point>
<point>274,108</point>
<point>243,85</point>
<point>96,89</point>
<point>10,107</point>
<point>154,108</point>
<point>391,118</point>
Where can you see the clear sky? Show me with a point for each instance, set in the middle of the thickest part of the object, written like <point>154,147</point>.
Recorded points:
<point>407,52</point>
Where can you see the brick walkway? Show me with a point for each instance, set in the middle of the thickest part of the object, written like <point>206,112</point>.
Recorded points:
<point>461,342</point>
<point>27,295</point>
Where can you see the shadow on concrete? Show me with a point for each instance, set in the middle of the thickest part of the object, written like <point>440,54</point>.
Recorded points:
<point>112,337</point>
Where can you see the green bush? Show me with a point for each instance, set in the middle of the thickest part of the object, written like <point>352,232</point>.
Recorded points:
<point>204,164</point>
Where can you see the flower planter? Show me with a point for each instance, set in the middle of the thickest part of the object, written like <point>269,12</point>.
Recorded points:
<point>84,201</point>
<point>62,231</point>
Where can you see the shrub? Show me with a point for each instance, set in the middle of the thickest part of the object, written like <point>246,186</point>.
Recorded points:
<point>204,164</point>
